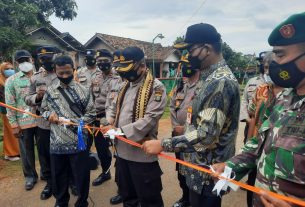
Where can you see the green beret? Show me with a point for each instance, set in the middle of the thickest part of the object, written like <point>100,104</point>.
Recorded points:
<point>289,32</point>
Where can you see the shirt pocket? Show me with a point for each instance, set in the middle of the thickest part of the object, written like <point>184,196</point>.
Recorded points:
<point>83,80</point>
<point>290,156</point>
<point>96,90</point>
<point>178,100</point>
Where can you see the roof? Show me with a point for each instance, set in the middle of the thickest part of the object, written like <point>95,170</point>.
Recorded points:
<point>116,43</point>
<point>64,38</point>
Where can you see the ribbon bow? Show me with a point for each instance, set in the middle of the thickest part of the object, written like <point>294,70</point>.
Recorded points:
<point>223,184</point>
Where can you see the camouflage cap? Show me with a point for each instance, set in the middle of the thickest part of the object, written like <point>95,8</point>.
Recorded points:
<point>289,32</point>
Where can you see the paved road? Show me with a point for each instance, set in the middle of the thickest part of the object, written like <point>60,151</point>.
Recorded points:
<point>12,193</point>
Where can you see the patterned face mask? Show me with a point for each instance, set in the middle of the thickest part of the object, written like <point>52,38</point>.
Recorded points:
<point>286,75</point>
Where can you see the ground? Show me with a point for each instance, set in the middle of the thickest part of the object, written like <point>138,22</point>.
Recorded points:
<point>13,194</point>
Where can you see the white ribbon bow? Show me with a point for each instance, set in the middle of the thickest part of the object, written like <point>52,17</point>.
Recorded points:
<point>223,184</point>
<point>112,133</point>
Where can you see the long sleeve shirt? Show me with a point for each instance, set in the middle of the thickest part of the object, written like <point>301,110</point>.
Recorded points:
<point>278,151</point>
<point>143,128</point>
<point>41,80</point>
<point>64,140</point>
<point>16,88</point>
<point>212,128</point>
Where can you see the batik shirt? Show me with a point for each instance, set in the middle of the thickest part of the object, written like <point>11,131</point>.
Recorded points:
<point>16,88</point>
<point>212,128</point>
<point>278,151</point>
<point>64,139</point>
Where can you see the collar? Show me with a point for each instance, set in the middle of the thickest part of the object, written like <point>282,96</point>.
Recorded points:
<point>59,84</point>
<point>205,73</point>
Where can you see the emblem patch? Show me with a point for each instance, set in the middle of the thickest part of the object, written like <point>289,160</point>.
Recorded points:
<point>287,31</point>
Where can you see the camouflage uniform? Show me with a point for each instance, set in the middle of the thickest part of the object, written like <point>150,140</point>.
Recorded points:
<point>278,152</point>
<point>212,127</point>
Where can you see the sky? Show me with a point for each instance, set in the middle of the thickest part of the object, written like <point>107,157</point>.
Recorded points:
<point>244,24</point>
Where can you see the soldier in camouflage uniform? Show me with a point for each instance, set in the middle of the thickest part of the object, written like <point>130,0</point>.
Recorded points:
<point>40,81</point>
<point>278,150</point>
<point>212,121</point>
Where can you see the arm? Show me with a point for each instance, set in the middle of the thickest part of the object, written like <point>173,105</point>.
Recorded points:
<point>244,105</point>
<point>215,105</point>
<point>10,99</point>
<point>138,130</point>
<point>90,113</point>
<point>32,99</point>
<point>172,105</point>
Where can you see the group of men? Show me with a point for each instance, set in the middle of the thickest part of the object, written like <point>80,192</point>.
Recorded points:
<point>117,92</point>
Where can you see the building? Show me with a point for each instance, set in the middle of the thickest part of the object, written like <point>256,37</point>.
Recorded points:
<point>165,58</point>
<point>48,35</point>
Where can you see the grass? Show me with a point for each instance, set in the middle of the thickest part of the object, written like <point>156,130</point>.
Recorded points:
<point>166,114</point>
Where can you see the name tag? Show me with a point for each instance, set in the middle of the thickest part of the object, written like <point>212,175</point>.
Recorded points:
<point>189,115</point>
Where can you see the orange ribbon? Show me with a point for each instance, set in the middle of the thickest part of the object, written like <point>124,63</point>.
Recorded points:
<point>196,167</point>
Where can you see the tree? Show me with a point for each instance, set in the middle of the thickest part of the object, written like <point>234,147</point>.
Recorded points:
<point>179,39</point>
<point>17,17</point>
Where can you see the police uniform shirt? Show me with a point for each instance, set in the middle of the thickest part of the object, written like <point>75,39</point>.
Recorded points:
<point>248,95</point>
<point>40,80</point>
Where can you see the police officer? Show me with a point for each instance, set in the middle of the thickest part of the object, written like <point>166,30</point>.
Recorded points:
<point>39,84</point>
<point>86,74</point>
<point>104,92</point>
<point>179,104</point>
<point>140,105</point>
<point>278,150</point>
<point>110,118</point>
<point>249,93</point>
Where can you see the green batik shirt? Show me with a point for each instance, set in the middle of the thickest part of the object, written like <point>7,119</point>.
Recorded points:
<point>210,131</point>
<point>278,151</point>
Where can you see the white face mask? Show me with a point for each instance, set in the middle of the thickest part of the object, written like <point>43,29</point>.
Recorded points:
<point>268,79</point>
<point>26,67</point>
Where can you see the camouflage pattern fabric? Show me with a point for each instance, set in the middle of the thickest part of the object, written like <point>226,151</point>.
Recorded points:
<point>278,151</point>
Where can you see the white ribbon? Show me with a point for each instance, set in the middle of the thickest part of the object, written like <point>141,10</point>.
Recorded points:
<point>63,121</point>
<point>112,133</point>
<point>223,184</point>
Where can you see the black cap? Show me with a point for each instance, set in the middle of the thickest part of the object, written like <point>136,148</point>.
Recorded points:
<point>103,53</point>
<point>116,58</point>
<point>261,56</point>
<point>47,51</point>
<point>22,53</point>
<point>90,53</point>
<point>199,34</point>
<point>129,56</point>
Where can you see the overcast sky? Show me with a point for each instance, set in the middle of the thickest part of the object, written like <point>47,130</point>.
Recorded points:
<point>243,24</point>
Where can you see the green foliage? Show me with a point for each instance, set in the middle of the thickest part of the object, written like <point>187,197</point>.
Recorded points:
<point>235,60</point>
<point>179,39</point>
<point>17,17</point>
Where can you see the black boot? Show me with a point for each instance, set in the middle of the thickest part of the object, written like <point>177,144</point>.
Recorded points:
<point>101,178</point>
<point>182,203</point>
<point>116,199</point>
<point>46,192</point>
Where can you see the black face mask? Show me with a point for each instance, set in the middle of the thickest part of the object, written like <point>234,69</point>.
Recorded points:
<point>286,75</point>
<point>49,66</point>
<point>195,61</point>
<point>261,68</point>
<point>90,61</point>
<point>66,80</point>
<point>187,70</point>
<point>104,66</point>
<point>131,75</point>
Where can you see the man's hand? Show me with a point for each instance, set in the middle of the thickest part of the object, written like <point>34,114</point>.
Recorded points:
<point>269,201</point>
<point>105,129</point>
<point>219,168</point>
<point>152,147</point>
<point>40,94</point>
<point>53,118</point>
<point>178,130</point>
<point>17,131</point>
